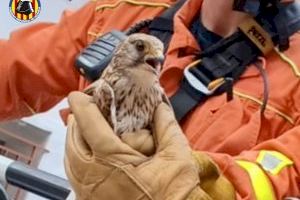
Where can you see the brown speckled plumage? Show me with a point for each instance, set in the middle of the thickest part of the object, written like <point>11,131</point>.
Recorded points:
<point>128,91</point>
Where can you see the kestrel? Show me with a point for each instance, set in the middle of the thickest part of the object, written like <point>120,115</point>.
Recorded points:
<point>128,90</point>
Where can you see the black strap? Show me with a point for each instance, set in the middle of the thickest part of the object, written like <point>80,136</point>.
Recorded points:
<point>230,57</point>
<point>162,26</point>
<point>186,97</point>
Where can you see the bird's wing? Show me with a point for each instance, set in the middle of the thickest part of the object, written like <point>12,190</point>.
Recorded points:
<point>91,88</point>
<point>104,97</point>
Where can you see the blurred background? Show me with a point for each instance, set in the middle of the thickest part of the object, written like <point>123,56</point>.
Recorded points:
<point>37,140</point>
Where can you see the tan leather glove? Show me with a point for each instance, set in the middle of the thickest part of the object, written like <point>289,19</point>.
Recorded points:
<point>101,167</point>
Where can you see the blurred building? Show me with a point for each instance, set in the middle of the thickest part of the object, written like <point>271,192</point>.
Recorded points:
<point>23,142</point>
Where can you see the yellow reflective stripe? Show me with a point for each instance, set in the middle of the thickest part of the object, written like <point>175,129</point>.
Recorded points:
<point>215,84</point>
<point>94,34</point>
<point>283,115</point>
<point>289,62</point>
<point>246,96</point>
<point>196,62</point>
<point>134,2</point>
<point>273,161</point>
<point>31,110</point>
<point>260,182</point>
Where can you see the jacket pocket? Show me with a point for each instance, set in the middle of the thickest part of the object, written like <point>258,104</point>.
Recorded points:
<point>227,127</point>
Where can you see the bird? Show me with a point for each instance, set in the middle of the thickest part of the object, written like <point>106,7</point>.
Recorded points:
<point>128,90</point>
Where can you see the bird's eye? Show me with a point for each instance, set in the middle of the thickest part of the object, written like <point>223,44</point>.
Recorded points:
<point>140,45</point>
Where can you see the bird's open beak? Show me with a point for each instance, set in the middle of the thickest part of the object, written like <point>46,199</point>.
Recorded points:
<point>155,61</point>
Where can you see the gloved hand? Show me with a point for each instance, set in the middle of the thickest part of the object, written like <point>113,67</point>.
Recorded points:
<point>100,166</point>
<point>212,182</point>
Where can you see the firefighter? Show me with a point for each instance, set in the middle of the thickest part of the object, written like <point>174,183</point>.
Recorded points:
<point>256,152</point>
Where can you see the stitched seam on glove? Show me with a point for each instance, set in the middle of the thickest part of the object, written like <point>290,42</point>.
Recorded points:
<point>80,180</point>
<point>76,146</point>
<point>136,181</point>
<point>128,173</point>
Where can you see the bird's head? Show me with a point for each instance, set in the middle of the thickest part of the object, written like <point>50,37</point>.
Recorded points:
<point>141,50</point>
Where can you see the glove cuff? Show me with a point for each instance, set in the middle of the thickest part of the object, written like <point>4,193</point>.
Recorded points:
<point>212,183</point>
<point>198,194</point>
<point>206,166</point>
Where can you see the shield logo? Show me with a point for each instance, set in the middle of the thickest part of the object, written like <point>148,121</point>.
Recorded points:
<point>25,10</point>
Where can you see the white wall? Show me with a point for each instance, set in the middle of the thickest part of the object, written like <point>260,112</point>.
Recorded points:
<point>50,11</point>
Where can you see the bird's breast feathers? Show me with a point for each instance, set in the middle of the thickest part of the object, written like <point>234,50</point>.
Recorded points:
<point>135,106</point>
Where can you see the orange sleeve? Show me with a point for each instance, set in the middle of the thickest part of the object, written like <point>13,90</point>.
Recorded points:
<point>284,184</point>
<point>37,63</point>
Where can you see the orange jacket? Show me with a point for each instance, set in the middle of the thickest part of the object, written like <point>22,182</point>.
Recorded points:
<point>37,70</point>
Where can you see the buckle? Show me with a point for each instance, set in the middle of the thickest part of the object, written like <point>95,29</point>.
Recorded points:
<point>197,84</point>
<point>193,81</point>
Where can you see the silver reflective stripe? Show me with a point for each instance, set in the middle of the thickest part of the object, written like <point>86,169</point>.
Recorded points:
<point>270,162</point>
<point>273,161</point>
